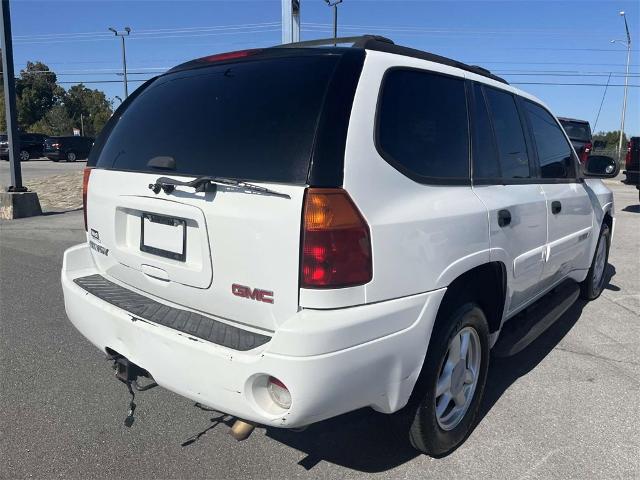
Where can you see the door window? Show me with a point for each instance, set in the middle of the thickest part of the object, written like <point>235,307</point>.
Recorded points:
<point>485,155</point>
<point>554,151</point>
<point>512,147</point>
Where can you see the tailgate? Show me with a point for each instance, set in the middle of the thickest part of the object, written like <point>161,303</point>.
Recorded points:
<point>228,253</point>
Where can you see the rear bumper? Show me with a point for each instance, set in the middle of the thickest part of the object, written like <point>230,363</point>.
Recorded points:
<point>53,155</point>
<point>332,361</point>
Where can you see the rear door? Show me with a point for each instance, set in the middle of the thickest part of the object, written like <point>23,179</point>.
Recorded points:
<point>230,252</point>
<point>503,174</point>
<point>570,212</point>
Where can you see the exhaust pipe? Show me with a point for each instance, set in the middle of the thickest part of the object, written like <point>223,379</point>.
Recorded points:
<point>241,429</point>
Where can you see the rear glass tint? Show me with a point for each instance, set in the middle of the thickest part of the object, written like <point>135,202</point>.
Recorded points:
<point>423,125</point>
<point>577,130</point>
<point>253,120</point>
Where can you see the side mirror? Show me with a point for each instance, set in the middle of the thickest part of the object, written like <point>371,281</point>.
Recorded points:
<point>600,166</point>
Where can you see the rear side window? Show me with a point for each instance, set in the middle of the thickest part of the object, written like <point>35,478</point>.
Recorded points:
<point>512,148</point>
<point>422,125</point>
<point>554,152</point>
<point>253,120</point>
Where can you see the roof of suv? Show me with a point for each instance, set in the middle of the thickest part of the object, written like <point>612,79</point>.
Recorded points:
<point>364,42</point>
<point>566,119</point>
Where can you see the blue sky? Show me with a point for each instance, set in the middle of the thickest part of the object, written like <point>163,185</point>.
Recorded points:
<point>523,41</point>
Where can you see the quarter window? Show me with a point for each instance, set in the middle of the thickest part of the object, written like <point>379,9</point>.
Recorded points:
<point>423,125</point>
<point>512,148</point>
<point>554,152</point>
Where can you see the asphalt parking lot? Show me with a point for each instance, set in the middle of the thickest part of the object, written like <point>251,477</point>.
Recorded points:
<point>566,407</point>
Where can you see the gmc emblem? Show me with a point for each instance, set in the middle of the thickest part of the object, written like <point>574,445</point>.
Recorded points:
<point>253,294</point>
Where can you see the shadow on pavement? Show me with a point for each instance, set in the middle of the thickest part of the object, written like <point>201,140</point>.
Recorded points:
<point>632,208</point>
<point>372,442</point>
<point>58,212</point>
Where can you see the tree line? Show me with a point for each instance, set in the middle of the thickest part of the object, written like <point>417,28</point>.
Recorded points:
<point>44,106</point>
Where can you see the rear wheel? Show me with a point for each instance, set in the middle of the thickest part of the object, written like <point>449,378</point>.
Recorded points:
<point>71,156</point>
<point>592,286</point>
<point>452,382</point>
<point>24,155</point>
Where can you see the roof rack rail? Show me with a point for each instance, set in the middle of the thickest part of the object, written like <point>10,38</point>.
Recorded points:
<point>360,41</point>
<point>383,44</point>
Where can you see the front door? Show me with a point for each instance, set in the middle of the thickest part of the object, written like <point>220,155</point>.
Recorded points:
<point>570,214</point>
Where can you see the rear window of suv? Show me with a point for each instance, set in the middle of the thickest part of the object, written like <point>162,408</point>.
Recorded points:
<point>577,130</point>
<point>253,120</point>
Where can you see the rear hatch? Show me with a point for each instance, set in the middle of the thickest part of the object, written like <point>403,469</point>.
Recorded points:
<point>579,133</point>
<point>229,252</point>
<point>49,144</point>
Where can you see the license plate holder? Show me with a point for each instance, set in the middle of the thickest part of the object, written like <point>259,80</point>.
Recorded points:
<point>163,236</point>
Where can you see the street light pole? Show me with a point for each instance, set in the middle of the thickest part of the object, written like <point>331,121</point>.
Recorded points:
<point>13,137</point>
<point>626,84</point>
<point>334,4</point>
<point>126,33</point>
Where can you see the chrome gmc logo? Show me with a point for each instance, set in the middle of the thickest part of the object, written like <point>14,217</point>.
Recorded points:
<point>253,294</point>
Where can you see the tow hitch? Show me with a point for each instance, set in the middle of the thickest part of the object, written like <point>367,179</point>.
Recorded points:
<point>128,372</point>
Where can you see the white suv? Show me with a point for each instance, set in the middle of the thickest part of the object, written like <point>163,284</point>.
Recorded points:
<point>289,234</point>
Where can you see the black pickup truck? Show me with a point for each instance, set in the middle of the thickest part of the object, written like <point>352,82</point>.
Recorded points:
<point>632,163</point>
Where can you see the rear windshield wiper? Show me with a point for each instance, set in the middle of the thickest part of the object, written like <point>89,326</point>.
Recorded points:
<point>203,184</point>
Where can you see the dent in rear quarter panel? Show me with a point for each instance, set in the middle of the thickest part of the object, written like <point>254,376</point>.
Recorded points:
<point>423,236</point>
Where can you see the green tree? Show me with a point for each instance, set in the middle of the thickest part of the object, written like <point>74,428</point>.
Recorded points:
<point>37,91</point>
<point>55,122</point>
<point>611,139</point>
<point>90,106</point>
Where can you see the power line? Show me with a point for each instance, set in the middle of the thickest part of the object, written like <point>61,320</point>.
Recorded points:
<point>230,31</point>
<point>601,103</point>
<point>45,36</point>
<point>573,84</point>
<point>456,31</point>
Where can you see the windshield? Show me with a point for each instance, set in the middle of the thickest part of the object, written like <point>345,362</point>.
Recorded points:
<point>253,120</point>
<point>577,130</point>
<point>3,138</point>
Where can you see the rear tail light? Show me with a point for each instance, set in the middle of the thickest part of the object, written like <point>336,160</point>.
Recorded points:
<point>85,188</point>
<point>627,158</point>
<point>279,393</point>
<point>336,247</point>
<point>586,150</point>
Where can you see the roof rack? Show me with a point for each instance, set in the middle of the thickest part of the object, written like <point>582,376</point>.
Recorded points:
<point>383,44</point>
<point>361,41</point>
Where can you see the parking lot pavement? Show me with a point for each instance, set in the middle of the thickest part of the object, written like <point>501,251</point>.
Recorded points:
<point>38,168</point>
<point>566,407</point>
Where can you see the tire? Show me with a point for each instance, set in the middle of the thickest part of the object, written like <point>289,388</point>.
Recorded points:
<point>438,435</point>
<point>592,286</point>
<point>71,156</point>
<point>24,155</point>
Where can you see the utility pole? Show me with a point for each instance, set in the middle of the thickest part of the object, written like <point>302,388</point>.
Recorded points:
<point>17,201</point>
<point>627,44</point>
<point>290,21</point>
<point>81,125</point>
<point>334,4</point>
<point>13,136</point>
<point>126,33</point>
